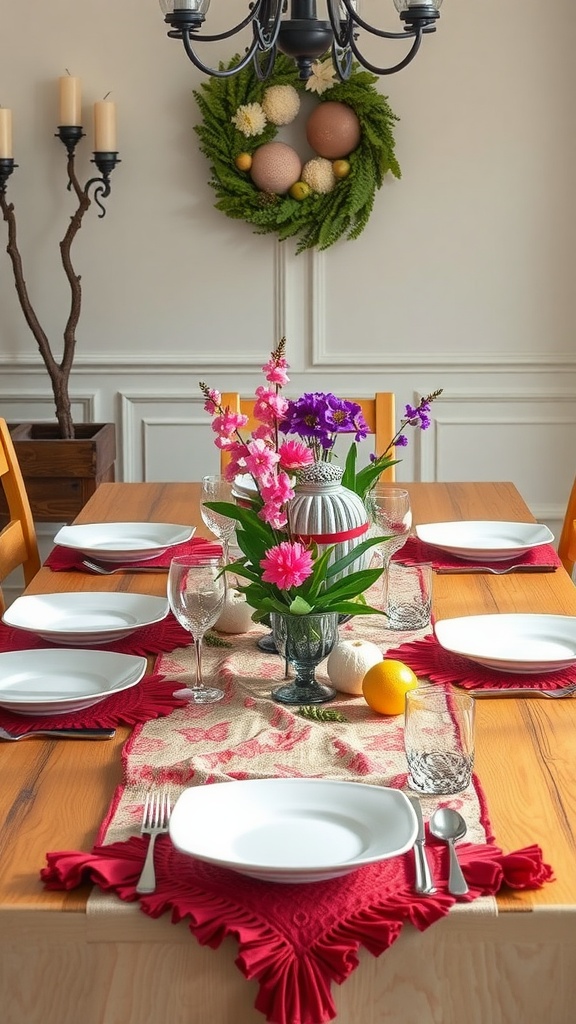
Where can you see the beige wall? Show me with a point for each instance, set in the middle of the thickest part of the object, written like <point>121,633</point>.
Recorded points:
<point>463,278</point>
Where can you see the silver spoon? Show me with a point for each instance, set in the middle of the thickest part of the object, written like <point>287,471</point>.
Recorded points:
<point>449,825</point>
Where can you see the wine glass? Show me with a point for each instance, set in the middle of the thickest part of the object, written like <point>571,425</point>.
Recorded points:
<point>391,515</point>
<point>218,488</point>
<point>196,592</point>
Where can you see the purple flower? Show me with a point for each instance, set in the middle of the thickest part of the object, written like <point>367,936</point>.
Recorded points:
<point>401,441</point>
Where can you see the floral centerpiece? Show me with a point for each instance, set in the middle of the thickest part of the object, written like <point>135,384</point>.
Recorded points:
<point>283,573</point>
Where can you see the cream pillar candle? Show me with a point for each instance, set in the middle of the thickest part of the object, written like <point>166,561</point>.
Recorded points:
<point>6,134</point>
<point>105,127</point>
<point>70,95</point>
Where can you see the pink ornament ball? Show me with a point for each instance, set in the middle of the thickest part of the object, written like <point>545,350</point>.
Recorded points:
<point>275,167</point>
<point>333,130</point>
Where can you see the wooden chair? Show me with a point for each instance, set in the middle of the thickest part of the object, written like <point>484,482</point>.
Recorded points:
<point>567,542</point>
<point>379,413</point>
<point>18,543</point>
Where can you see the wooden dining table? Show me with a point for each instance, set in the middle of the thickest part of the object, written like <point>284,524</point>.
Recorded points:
<point>63,961</point>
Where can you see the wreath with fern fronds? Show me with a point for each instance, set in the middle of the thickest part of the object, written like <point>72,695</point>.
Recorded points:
<point>234,126</point>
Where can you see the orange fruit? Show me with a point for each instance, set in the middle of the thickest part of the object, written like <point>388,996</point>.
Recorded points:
<point>385,686</point>
<point>243,161</point>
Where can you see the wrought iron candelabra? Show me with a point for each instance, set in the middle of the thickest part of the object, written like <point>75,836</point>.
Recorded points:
<point>99,187</point>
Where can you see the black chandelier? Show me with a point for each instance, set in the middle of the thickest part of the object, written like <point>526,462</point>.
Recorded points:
<point>300,35</point>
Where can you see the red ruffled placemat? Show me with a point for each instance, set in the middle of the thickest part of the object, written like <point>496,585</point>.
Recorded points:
<point>154,639</point>
<point>63,559</point>
<point>540,559</point>
<point>152,697</point>
<point>428,659</point>
<point>295,940</point>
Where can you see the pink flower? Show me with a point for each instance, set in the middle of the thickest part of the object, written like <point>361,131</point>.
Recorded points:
<point>287,565</point>
<point>260,458</point>
<point>264,433</point>
<point>277,489</point>
<point>295,455</point>
<point>275,371</point>
<point>228,423</point>
<point>212,403</point>
<point>269,407</point>
<point>274,515</point>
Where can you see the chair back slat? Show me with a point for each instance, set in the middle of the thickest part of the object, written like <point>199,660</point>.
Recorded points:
<point>18,542</point>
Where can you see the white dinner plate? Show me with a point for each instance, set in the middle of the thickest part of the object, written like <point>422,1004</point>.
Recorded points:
<point>292,830</point>
<point>512,643</point>
<point>123,542</point>
<point>50,681</point>
<point>494,541</point>
<point>85,618</point>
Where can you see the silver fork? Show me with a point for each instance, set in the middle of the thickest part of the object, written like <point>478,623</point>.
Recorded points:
<point>70,734</point>
<point>155,819</point>
<point>523,691</point>
<point>102,570</point>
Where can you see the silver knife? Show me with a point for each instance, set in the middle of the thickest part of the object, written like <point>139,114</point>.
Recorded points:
<point>424,880</point>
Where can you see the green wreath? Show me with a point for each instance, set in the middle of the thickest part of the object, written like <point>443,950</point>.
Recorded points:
<point>318,219</point>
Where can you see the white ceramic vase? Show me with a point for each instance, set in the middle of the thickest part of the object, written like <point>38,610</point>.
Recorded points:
<point>326,512</point>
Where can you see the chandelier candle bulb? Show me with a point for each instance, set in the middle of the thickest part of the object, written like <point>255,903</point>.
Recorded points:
<point>105,127</point>
<point>70,101</point>
<point>6,152</point>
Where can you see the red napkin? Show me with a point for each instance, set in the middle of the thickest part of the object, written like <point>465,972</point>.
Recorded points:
<point>63,559</point>
<point>295,940</point>
<point>540,559</point>
<point>153,639</point>
<point>152,697</point>
<point>427,658</point>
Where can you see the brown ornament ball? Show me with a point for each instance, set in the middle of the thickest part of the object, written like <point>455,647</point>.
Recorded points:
<point>333,130</point>
<point>275,167</point>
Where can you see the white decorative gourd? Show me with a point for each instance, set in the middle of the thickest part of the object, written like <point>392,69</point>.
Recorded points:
<point>236,615</point>
<point>349,662</point>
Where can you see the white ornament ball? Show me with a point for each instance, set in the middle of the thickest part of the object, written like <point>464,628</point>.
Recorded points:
<point>281,104</point>
<point>318,173</point>
<point>349,662</point>
<point>275,167</point>
<point>236,615</point>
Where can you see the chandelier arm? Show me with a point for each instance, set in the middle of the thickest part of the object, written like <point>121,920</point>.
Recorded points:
<point>355,19</point>
<point>251,17</point>
<point>267,41</point>
<point>396,67</point>
<point>262,73</point>
<point>217,72</point>
<point>342,61</point>
<point>341,35</point>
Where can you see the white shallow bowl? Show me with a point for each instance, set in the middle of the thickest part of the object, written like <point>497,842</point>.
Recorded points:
<point>512,643</point>
<point>77,618</point>
<point>123,542</point>
<point>292,830</point>
<point>53,682</point>
<point>494,541</point>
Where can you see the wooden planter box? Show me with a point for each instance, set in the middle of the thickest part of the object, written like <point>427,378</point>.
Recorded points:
<point>61,475</point>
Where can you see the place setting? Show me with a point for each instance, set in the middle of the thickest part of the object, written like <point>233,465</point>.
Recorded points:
<point>498,655</point>
<point>477,546</point>
<point>107,548</point>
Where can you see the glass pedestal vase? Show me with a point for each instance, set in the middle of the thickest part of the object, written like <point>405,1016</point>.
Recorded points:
<point>304,641</point>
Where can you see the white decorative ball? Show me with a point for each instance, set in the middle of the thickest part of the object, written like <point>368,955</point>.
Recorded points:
<point>349,662</point>
<point>236,615</point>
